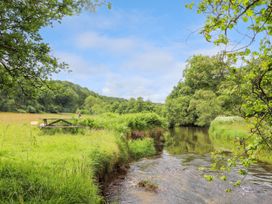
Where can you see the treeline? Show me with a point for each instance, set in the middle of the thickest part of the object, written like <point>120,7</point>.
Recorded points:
<point>102,104</point>
<point>66,97</point>
<point>208,89</point>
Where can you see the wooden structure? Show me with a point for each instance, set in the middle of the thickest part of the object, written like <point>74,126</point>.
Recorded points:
<point>58,123</point>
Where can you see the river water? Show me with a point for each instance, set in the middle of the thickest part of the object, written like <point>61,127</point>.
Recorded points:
<point>176,173</point>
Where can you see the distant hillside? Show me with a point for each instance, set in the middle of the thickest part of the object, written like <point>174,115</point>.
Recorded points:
<point>63,96</point>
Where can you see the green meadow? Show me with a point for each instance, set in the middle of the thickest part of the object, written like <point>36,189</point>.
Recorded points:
<point>234,133</point>
<point>43,167</point>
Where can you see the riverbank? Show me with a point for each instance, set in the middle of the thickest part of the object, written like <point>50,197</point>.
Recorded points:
<point>177,176</point>
<point>233,133</point>
<point>36,167</point>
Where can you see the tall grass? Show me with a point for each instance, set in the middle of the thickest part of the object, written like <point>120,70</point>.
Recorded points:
<point>56,169</point>
<point>61,168</point>
<point>124,123</point>
<point>227,132</point>
<point>233,133</point>
<point>141,148</point>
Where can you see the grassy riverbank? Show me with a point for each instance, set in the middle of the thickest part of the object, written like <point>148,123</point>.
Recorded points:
<point>233,133</point>
<point>63,168</point>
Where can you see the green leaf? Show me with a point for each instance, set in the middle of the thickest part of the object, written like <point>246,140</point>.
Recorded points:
<point>247,51</point>
<point>208,178</point>
<point>237,183</point>
<point>242,172</point>
<point>223,178</point>
<point>109,6</point>
<point>250,12</point>
<point>245,19</point>
<point>228,190</point>
<point>190,5</point>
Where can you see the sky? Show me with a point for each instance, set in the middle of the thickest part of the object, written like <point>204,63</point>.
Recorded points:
<point>138,48</point>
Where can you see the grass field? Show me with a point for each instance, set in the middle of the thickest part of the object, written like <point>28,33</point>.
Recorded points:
<point>59,168</point>
<point>233,133</point>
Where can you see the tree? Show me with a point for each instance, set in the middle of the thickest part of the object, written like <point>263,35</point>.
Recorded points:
<point>204,72</point>
<point>24,58</point>
<point>90,103</point>
<point>178,112</point>
<point>225,17</point>
<point>255,16</point>
<point>206,107</point>
<point>197,99</point>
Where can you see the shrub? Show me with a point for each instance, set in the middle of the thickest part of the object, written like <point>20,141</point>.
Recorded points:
<point>31,109</point>
<point>124,123</point>
<point>141,148</point>
<point>228,132</point>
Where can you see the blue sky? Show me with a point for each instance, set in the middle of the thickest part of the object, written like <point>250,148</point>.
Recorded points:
<point>138,48</point>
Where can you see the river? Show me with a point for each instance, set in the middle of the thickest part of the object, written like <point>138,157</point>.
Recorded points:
<point>177,175</point>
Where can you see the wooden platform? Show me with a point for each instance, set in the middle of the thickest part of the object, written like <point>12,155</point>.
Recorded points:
<point>58,123</point>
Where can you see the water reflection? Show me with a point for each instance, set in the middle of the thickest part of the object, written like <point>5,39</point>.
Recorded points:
<point>180,181</point>
<point>188,140</point>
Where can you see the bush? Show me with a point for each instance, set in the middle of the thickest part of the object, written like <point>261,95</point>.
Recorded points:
<point>228,132</point>
<point>228,119</point>
<point>233,133</point>
<point>141,148</point>
<point>31,109</point>
<point>124,123</point>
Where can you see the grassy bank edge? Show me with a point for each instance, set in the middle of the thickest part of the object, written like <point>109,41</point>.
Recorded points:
<point>233,133</point>
<point>62,168</point>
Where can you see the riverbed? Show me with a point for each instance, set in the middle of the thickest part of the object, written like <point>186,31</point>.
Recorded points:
<point>178,175</point>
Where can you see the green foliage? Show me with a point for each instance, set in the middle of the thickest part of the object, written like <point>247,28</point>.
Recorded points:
<point>228,132</point>
<point>203,72</point>
<point>205,92</point>
<point>185,140</point>
<point>257,95</point>
<point>178,111</point>
<point>62,168</point>
<point>64,96</point>
<point>124,123</point>
<point>55,96</point>
<point>233,133</point>
<point>206,107</point>
<point>57,169</point>
<point>98,105</point>
<point>254,17</point>
<point>25,60</point>
<point>141,148</point>
<point>208,178</point>
<point>223,19</point>
<point>22,182</point>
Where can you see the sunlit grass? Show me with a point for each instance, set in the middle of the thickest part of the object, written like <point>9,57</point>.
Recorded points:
<point>26,118</point>
<point>141,148</point>
<point>233,133</point>
<point>60,168</point>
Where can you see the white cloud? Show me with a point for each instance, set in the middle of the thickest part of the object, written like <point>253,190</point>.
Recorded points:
<point>148,70</point>
<point>105,43</point>
<point>155,59</point>
<point>81,66</point>
<point>108,56</point>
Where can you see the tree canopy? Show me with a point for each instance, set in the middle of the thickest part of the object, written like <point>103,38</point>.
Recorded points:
<point>25,59</point>
<point>254,18</point>
<point>248,18</point>
<point>204,92</point>
<point>64,96</point>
